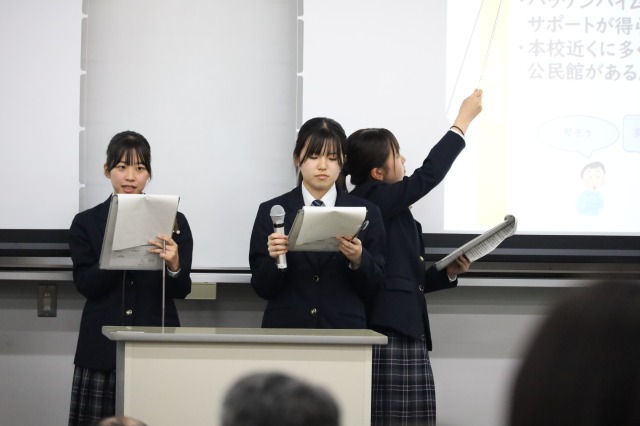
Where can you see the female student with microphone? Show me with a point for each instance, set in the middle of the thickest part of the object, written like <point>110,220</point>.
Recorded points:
<point>128,298</point>
<point>317,289</point>
<point>403,390</point>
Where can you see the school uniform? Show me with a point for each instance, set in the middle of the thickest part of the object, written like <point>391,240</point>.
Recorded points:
<point>318,289</point>
<point>123,298</point>
<point>403,387</point>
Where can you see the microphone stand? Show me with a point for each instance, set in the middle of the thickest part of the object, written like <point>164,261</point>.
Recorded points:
<point>164,273</point>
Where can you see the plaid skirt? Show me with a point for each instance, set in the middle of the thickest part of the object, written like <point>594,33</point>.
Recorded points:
<point>403,391</point>
<point>93,396</point>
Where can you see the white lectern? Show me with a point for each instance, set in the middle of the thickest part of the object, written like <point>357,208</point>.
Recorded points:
<point>168,376</point>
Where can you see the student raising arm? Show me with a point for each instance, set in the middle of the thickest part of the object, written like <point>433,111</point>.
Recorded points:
<point>402,381</point>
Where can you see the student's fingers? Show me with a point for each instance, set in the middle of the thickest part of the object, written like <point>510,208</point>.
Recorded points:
<point>462,264</point>
<point>167,249</point>
<point>170,256</point>
<point>277,250</point>
<point>161,246</point>
<point>347,242</point>
<point>350,247</point>
<point>167,239</point>
<point>277,239</point>
<point>473,105</point>
<point>277,244</point>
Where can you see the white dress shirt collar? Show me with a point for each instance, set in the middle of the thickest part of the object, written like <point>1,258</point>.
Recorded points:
<point>329,199</point>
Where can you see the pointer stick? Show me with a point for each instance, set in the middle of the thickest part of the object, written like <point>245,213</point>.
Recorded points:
<point>493,30</point>
<point>466,52</point>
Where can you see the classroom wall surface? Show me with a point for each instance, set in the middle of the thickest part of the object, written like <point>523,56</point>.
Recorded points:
<point>478,335</point>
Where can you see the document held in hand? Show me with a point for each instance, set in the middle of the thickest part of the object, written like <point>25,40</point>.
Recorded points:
<point>483,244</point>
<point>133,220</point>
<point>316,228</point>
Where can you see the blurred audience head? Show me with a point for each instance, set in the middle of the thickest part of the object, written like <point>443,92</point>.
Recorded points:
<point>277,399</point>
<point>119,421</point>
<point>582,366</point>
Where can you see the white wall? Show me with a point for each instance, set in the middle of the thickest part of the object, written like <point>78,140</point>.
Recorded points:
<point>477,331</point>
<point>39,111</point>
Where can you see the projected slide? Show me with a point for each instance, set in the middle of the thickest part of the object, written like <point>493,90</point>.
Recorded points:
<point>559,139</point>
<point>558,142</point>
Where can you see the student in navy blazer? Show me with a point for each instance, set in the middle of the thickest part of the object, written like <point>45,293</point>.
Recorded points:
<point>403,390</point>
<point>119,297</point>
<point>317,289</point>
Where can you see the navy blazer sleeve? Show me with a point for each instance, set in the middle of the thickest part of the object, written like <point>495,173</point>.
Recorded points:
<point>85,243</point>
<point>394,198</point>
<point>437,280</point>
<point>369,277</point>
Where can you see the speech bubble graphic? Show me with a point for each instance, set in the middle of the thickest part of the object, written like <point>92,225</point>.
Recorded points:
<point>578,133</point>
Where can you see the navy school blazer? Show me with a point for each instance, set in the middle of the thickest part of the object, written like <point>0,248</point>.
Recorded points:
<point>400,304</point>
<point>317,290</point>
<point>104,289</point>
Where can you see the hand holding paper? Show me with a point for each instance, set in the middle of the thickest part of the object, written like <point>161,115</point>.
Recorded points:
<point>459,266</point>
<point>133,224</point>
<point>351,247</point>
<point>167,249</point>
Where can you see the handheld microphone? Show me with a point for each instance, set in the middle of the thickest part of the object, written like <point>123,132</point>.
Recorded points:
<point>277,217</point>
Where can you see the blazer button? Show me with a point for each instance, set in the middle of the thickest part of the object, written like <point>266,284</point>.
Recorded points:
<point>421,288</point>
<point>314,311</point>
<point>421,259</point>
<point>129,312</point>
<point>131,282</point>
<point>315,279</point>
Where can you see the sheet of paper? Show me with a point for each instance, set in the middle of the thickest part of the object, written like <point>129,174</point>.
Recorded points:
<point>316,228</point>
<point>142,217</point>
<point>483,244</point>
<point>490,244</point>
<point>134,258</point>
<point>133,220</point>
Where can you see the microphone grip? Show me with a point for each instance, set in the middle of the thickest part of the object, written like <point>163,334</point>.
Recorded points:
<point>281,261</point>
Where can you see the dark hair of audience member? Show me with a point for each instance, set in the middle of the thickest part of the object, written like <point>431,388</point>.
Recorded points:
<point>276,399</point>
<point>119,421</point>
<point>583,365</point>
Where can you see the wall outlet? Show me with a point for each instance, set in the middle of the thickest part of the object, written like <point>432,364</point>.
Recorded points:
<point>47,300</point>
